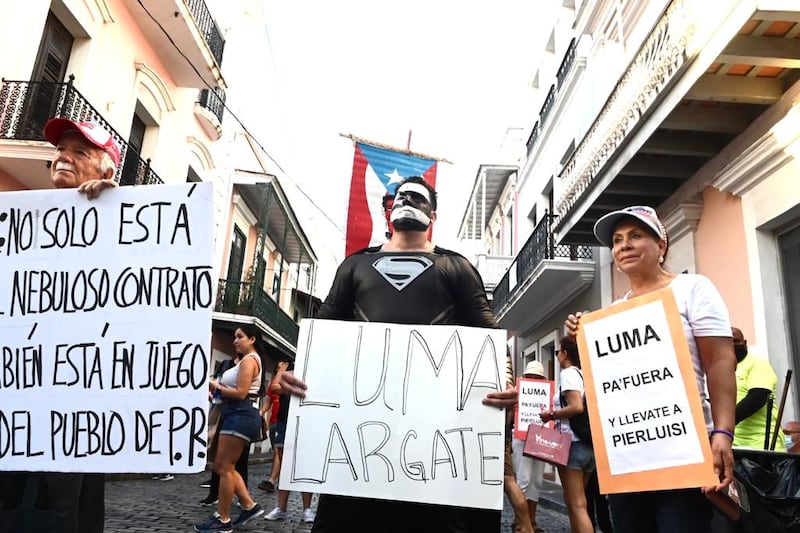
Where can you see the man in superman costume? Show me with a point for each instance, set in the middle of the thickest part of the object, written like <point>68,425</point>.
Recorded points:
<point>407,280</point>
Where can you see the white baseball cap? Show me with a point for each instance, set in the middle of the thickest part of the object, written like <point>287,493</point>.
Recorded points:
<point>604,228</point>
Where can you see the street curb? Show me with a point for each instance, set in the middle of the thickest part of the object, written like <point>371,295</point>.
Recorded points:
<point>255,459</point>
<point>552,496</point>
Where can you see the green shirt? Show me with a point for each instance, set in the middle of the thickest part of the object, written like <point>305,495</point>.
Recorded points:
<point>756,373</point>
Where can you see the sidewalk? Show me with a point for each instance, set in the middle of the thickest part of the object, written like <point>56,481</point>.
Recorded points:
<point>552,496</point>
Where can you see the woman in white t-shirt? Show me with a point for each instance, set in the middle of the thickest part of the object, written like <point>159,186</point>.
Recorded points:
<point>580,465</point>
<point>638,242</point>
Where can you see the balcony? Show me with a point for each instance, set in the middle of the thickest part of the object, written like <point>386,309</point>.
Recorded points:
<point>564,75</point>
<point>492,268</point>
<point>566,65</point>
<point>178,28</point>
<point>707,82</point>
<point>209,109</point>
<point>540,279</point>
<point>247,299</point>
<point>25,107</point>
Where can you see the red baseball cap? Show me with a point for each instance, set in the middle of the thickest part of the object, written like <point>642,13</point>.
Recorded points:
<point>94,133</point>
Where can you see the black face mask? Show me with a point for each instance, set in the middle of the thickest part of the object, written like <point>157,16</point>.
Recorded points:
<point>741,351</point>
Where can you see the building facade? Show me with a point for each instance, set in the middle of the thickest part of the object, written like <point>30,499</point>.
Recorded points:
<point>688,106</point>
<point>151,72</point>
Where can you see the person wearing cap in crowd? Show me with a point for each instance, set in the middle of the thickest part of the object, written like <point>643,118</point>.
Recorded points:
<point>755,384</point>
<point>86,158</point>
<point>446,289</point>
<point>530,471</point>
<point>639,245</point>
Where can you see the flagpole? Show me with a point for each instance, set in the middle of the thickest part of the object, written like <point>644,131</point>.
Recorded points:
<point>408,143</point>
<point>393,148</point>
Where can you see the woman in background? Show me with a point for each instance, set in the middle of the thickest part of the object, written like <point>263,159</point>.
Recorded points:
<point>580,465</point>
<point>240,387</point>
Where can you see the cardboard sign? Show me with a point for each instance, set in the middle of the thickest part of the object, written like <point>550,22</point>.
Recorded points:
<point>395,412</point>
<point>105,322</point>
<point>647,423</point>
<point>535,396</point>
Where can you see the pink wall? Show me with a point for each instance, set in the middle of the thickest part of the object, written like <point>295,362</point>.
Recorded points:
<point>8,183</point>
<point>722,255</point>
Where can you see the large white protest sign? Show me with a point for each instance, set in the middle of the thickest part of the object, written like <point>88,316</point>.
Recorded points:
<point>647,422</point>
<point>395,412</point>
<point>105,325</point>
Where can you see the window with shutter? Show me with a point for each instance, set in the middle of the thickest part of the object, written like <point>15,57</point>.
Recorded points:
<point>49,71</point>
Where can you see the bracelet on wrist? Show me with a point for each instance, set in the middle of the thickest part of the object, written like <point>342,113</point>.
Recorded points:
<point>725,432</point>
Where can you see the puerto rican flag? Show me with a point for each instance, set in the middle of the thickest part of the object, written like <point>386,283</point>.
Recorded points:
<point>376,173</point>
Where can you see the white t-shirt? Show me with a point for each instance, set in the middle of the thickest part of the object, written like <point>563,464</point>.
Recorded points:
<point>703,314</point>
<point>568,379</point>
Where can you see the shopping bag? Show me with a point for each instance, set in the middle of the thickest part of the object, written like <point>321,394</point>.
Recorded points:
<point>549,445</point>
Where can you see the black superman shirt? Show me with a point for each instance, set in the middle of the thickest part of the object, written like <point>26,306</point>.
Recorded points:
<point>438,287</point>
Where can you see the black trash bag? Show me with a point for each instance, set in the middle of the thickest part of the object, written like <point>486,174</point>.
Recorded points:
<point>772,482</point>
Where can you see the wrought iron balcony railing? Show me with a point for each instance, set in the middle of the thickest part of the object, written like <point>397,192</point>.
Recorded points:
<point>534,136</point>
<point>539,246</point>
<point>208,27</point>
<point>547,106</point>
<point>214,101</point>
<point>566,64</point>
<point>25,107</point>
<point>247,298</point>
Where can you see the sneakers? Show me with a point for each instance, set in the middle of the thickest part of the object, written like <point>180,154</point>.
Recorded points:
<point>163,477</point>
<point>309,515</point>
<point>275,514</point>
<point>206,484</point>
<point>214,525</point>
<point>267,485</point>
<point>214,522</point>
<point>208,501</point>
<point>246,515</point>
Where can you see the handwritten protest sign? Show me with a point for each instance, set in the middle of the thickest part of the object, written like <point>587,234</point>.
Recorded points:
<point>105,323</point>
<point>394,412</point>
<point>535,395</point>
<point>647,423</point>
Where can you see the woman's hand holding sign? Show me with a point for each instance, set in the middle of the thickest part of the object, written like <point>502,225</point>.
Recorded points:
<point>571,323</point>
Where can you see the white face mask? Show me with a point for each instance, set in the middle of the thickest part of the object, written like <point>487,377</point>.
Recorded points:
<point>789,441</point>
<point>411,210</point>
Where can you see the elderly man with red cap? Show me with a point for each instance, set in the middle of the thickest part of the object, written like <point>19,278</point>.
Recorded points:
<point>86,158</point>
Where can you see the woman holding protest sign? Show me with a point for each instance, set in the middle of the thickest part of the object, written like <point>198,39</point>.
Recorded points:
<point>639,245</point>
<point>240,387</point>
<point>568,404</point>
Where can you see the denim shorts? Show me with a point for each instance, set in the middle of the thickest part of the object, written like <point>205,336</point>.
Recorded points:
<point>240,418</point>
<point>581,456</point>
<point>277,434</point>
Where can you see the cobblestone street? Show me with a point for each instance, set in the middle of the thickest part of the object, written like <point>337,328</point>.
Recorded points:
<point>172,506</point>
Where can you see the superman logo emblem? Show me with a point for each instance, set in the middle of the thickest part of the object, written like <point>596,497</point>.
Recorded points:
<point>401,271</point>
